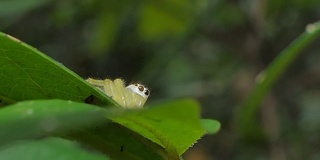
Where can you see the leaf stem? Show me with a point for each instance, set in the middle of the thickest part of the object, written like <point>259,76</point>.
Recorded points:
<point>266,79</point>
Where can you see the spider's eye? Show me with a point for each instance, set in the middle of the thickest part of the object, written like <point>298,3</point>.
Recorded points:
<point>147,92</point>
<point>141,88</point>
<point>136,84</point>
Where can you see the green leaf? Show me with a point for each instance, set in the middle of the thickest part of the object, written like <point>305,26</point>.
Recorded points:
<point>32,119</point>
<point>211,126</point>
<point>48,149</point>
<point>165,130</point>
<point>162,131</point>
<point>173,125</point>
<point>168,129</point>
<point>119,142</point>
<point>26,73</point>
<point>81,122</point>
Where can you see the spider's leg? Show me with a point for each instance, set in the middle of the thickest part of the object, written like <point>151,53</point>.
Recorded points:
<point>119,84</point>
<point>110,90</point>
<point>106,87</point>
<point>97,83</point>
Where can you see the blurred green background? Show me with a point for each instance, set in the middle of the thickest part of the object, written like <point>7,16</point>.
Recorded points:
<point>210,50</point>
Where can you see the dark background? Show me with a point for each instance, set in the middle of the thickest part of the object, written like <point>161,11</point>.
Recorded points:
<point>210,50</point>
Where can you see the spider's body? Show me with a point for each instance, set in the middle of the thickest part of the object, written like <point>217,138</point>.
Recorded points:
<point>132,96</point>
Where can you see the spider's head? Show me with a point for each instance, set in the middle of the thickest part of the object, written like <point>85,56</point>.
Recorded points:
<point>139,89</point>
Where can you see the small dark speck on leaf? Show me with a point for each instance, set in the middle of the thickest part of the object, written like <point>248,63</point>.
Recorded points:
<point>121,149</point>
<point>89,100</point>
